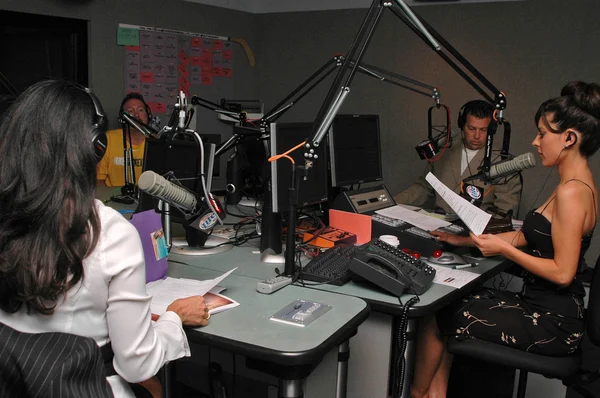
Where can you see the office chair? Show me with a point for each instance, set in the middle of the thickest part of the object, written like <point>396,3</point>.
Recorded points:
<point>567,368</point>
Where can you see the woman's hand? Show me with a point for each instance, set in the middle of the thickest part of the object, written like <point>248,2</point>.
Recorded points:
<point>192,310</point>
<point>452,239</point>
<point>488,244</point>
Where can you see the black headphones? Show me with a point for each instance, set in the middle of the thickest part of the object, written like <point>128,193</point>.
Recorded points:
<point>99,139</point>
<point>472,107</point>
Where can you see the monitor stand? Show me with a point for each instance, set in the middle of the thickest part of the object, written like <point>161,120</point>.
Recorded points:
<point>270,257</point>
<point>213,245</point>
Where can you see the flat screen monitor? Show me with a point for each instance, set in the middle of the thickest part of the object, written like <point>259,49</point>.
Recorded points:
<point>355,150</point>
<point>313,189</point>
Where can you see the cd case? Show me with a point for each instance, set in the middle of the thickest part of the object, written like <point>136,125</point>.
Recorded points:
<point>300,312</point>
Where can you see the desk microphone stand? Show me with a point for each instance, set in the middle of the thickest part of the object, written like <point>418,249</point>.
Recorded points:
<point>290,242</point>
<point>129,189</point>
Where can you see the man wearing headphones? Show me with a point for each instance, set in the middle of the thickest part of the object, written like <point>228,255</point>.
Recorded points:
<point>111,170</point>
<point>462,160</point>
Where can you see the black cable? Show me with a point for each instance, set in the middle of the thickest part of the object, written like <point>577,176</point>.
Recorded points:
<point>402,342</point>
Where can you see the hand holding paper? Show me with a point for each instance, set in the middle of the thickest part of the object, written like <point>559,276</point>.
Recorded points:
<point>474,218</point>
<point>164,292</point>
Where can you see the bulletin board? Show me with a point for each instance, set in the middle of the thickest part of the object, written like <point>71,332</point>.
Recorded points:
<point>159,63</point>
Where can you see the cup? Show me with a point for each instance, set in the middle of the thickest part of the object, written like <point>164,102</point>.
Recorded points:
<point>390,240</point>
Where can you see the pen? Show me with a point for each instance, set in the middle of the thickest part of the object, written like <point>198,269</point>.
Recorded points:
<point>461,266</point>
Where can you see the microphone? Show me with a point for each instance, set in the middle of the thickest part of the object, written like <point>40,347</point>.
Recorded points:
<point>143,128</point>
<point>506,168</point>
<point>156,185</point>
<point>197,213</point>
<point>430,148</point>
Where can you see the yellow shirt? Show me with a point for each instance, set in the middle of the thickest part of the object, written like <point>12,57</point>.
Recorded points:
<point>111,168</point>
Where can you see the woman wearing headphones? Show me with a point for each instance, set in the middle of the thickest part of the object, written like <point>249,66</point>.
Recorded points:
<point>111,169</point>
<point>546,317</point>
<point>67,262</point>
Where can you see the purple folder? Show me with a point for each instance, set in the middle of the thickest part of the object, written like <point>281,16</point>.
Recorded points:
<point>148,225</point>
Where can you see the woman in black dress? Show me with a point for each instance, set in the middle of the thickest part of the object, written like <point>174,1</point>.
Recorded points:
<point>546,317</point>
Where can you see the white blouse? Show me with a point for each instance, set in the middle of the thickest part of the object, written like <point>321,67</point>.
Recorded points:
<point>111,304</point>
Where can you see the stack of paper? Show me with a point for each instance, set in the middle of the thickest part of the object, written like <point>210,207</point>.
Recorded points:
<point>165,291</point>
<point>418,219</point>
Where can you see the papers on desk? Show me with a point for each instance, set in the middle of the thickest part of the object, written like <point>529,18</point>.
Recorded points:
<point>412,217</point>
<point>456,278</point>
<point>165,291</point>
<point>474,218</point>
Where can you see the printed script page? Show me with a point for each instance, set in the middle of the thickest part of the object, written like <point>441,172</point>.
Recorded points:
<point>474,218</point>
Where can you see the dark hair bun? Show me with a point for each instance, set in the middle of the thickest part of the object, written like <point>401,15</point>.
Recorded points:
<point>585,95</point>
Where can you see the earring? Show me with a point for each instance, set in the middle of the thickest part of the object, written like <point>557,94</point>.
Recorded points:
<point>565,146</point>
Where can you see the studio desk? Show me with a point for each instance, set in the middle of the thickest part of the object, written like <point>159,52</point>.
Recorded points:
<point>289,354</point>
<point>363,325</point>
<point>281,349</point>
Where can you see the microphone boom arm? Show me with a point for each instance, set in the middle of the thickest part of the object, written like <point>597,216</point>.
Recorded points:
<point>341,86</point>
<point>325,70</point>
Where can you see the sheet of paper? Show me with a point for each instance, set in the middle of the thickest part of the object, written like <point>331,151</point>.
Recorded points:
<point>170,289</point>
<point>435,215</point>
<point>457,278</point>
<point>415,218</point>
<point>474,218</point>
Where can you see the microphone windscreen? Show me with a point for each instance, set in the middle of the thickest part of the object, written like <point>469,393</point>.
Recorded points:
<point>519,163</point>
<point>156,185</point>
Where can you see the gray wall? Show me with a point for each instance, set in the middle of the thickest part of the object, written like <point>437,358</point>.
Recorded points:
<point>527,49</point>
<point>106,59</point>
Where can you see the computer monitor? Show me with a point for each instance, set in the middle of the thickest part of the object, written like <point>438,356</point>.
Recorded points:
<point>179,154</point>
<point>312,189</point>
<point>355,150</point>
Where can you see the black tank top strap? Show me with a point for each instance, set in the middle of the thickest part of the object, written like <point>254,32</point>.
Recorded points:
<point>550,201</point>
<point>593,196</point>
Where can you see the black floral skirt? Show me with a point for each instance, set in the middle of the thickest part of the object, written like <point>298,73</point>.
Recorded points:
<point>506,318</point>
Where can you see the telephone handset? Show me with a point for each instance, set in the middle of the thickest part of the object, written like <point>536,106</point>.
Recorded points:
<point>391,268</point>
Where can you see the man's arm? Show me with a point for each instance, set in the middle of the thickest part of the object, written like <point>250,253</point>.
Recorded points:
<point>420,193</point>
<point>102,172</point>
<point>507,196</point>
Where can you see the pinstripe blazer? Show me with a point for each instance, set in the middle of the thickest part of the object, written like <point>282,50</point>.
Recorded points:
<point>57,365</point>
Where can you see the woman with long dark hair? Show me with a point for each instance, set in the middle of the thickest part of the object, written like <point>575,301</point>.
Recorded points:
<point>546,317</point>
<point>67,262</point>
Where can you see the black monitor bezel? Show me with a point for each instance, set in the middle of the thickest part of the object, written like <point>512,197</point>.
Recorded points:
<point>335,181</point>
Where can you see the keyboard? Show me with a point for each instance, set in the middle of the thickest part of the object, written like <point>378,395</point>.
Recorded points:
<point>331,266</point>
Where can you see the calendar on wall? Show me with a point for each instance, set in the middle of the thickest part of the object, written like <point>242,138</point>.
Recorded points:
<point>159,63</point>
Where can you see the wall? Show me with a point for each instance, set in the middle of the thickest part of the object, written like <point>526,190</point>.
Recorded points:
<point>527,49</point>
<point>106,59</point>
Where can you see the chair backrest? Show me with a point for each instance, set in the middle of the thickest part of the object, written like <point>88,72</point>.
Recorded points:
<point>592,314</point>
<point>50,365</point>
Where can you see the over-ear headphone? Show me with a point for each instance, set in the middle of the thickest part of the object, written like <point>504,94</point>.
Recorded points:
<point>98,133</point>
<point>479,108</point>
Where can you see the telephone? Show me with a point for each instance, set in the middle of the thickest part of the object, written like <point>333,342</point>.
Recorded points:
<point>391,269</point>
